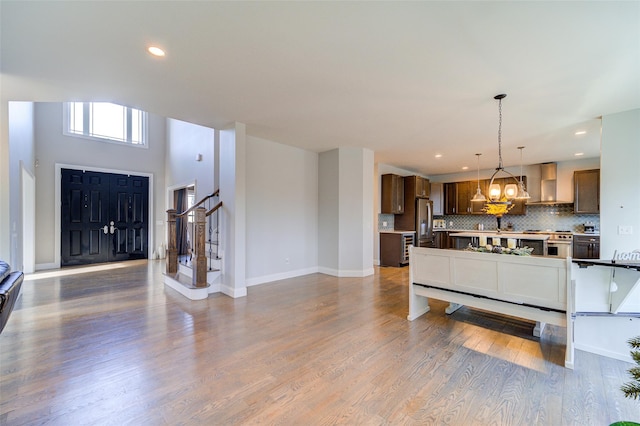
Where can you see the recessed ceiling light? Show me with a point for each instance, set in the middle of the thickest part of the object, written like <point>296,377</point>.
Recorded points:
<point>580,132</point>
<point>438,155</point>
<point>578,154</point>
<point>465,167</point>
<point>155,51</point>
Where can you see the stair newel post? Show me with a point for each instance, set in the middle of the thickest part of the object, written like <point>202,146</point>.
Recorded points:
<point>172,249</point>
<point>199,263</point>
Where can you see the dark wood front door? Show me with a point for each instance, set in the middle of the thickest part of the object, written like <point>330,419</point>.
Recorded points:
<point>104,217</point>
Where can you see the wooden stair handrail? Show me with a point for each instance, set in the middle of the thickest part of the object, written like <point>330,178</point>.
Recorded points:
<point>217,206</point>
<point>195,206</point>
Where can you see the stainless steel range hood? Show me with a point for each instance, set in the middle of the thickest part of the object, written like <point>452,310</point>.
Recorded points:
<point>548,186</point>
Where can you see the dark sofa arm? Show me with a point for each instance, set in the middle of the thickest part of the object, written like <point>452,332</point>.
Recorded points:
<point>9,292</point>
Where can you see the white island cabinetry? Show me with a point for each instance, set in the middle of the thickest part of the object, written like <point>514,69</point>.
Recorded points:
<point>534,288</point>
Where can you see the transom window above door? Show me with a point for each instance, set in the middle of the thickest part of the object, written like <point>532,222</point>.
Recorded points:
<point>107,122</point>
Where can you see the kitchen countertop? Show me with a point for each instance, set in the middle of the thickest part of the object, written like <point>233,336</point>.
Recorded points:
<point>493,231</point>
<point>397,232</point>
<point>489,234</point>
<point>484,231</point>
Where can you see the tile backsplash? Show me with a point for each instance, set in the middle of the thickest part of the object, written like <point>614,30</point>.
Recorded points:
<point>556,218</point>
<point>385,222</point>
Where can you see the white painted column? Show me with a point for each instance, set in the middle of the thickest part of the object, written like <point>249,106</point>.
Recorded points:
<point>233,219</point>
<point>345,206</point>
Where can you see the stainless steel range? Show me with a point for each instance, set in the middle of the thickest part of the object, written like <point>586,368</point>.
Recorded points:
<point>559,244</point>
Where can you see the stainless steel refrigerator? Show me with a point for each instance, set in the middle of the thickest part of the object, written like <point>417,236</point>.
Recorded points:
<point>424,222</point>
<point>418,218</point>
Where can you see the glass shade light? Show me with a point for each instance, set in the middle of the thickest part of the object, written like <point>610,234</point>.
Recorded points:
<point>478,197</point>
<point>510,191</point>
<point>495,191</point>
<point>522,191</point>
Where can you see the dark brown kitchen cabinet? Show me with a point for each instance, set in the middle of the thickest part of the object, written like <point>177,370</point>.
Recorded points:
<point>416,187</point>
<point>436,195</point>
<point>586,191</point>
<point>463,197</point>
<point>586,247</point>
<point>392,194</point>
<point>442,240</point>
<point>458,195</point>
<point>394,248</point>
<point>450,198</point>
<point>457,198</point>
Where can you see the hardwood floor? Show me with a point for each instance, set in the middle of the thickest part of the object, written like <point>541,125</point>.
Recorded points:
<point>118,347</point>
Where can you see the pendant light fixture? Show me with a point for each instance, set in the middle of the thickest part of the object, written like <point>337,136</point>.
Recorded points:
<point>479,197</point>
<point>511,190</point>
<point>522,192</point>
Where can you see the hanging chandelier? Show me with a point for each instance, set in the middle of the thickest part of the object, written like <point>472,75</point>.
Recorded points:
<point>511,191</point>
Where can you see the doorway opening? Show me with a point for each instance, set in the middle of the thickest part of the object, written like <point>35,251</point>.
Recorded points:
<point>184,199</point>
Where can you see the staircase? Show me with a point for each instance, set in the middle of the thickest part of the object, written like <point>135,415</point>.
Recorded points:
<point>198,273</point>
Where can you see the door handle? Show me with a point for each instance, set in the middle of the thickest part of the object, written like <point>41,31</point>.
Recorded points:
<point>105,229</point>
<point>112,228</point>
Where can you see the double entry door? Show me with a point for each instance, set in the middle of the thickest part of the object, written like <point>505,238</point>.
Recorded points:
<point>104,217</point>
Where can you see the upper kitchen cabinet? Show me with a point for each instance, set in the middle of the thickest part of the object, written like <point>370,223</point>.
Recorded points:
<point>586,191</point>
<point>458,195</point>
<point>416,187</point>
<point>449,192</point>
<point>436,195</point>
<point>457,198</point>
<point>392,194</point>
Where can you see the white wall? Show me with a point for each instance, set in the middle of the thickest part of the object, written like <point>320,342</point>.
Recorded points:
<point>282,211</point>
<point>620,182</point>
<point>21,156</point>
<point>619,205</point>
<point>184,142</point>
<point>53,147</point>
<point>5,241</point>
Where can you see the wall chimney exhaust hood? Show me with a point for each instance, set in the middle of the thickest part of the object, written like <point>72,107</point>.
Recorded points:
<point>548,186</point>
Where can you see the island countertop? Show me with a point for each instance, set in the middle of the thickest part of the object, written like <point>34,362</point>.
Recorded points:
<point>540,237</point>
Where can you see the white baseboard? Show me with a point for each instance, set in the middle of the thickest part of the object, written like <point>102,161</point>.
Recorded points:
<point>189,293</point>
<point>604,352</point>
<point>45,266</point>
<point>233,292</point>
<point>346,273</point>
<point>280,276</point>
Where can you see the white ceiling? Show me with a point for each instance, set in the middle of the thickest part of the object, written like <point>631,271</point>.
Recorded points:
<point>407,80</point>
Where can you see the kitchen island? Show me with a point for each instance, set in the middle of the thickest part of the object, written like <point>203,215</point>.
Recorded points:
<point>530,287</point>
